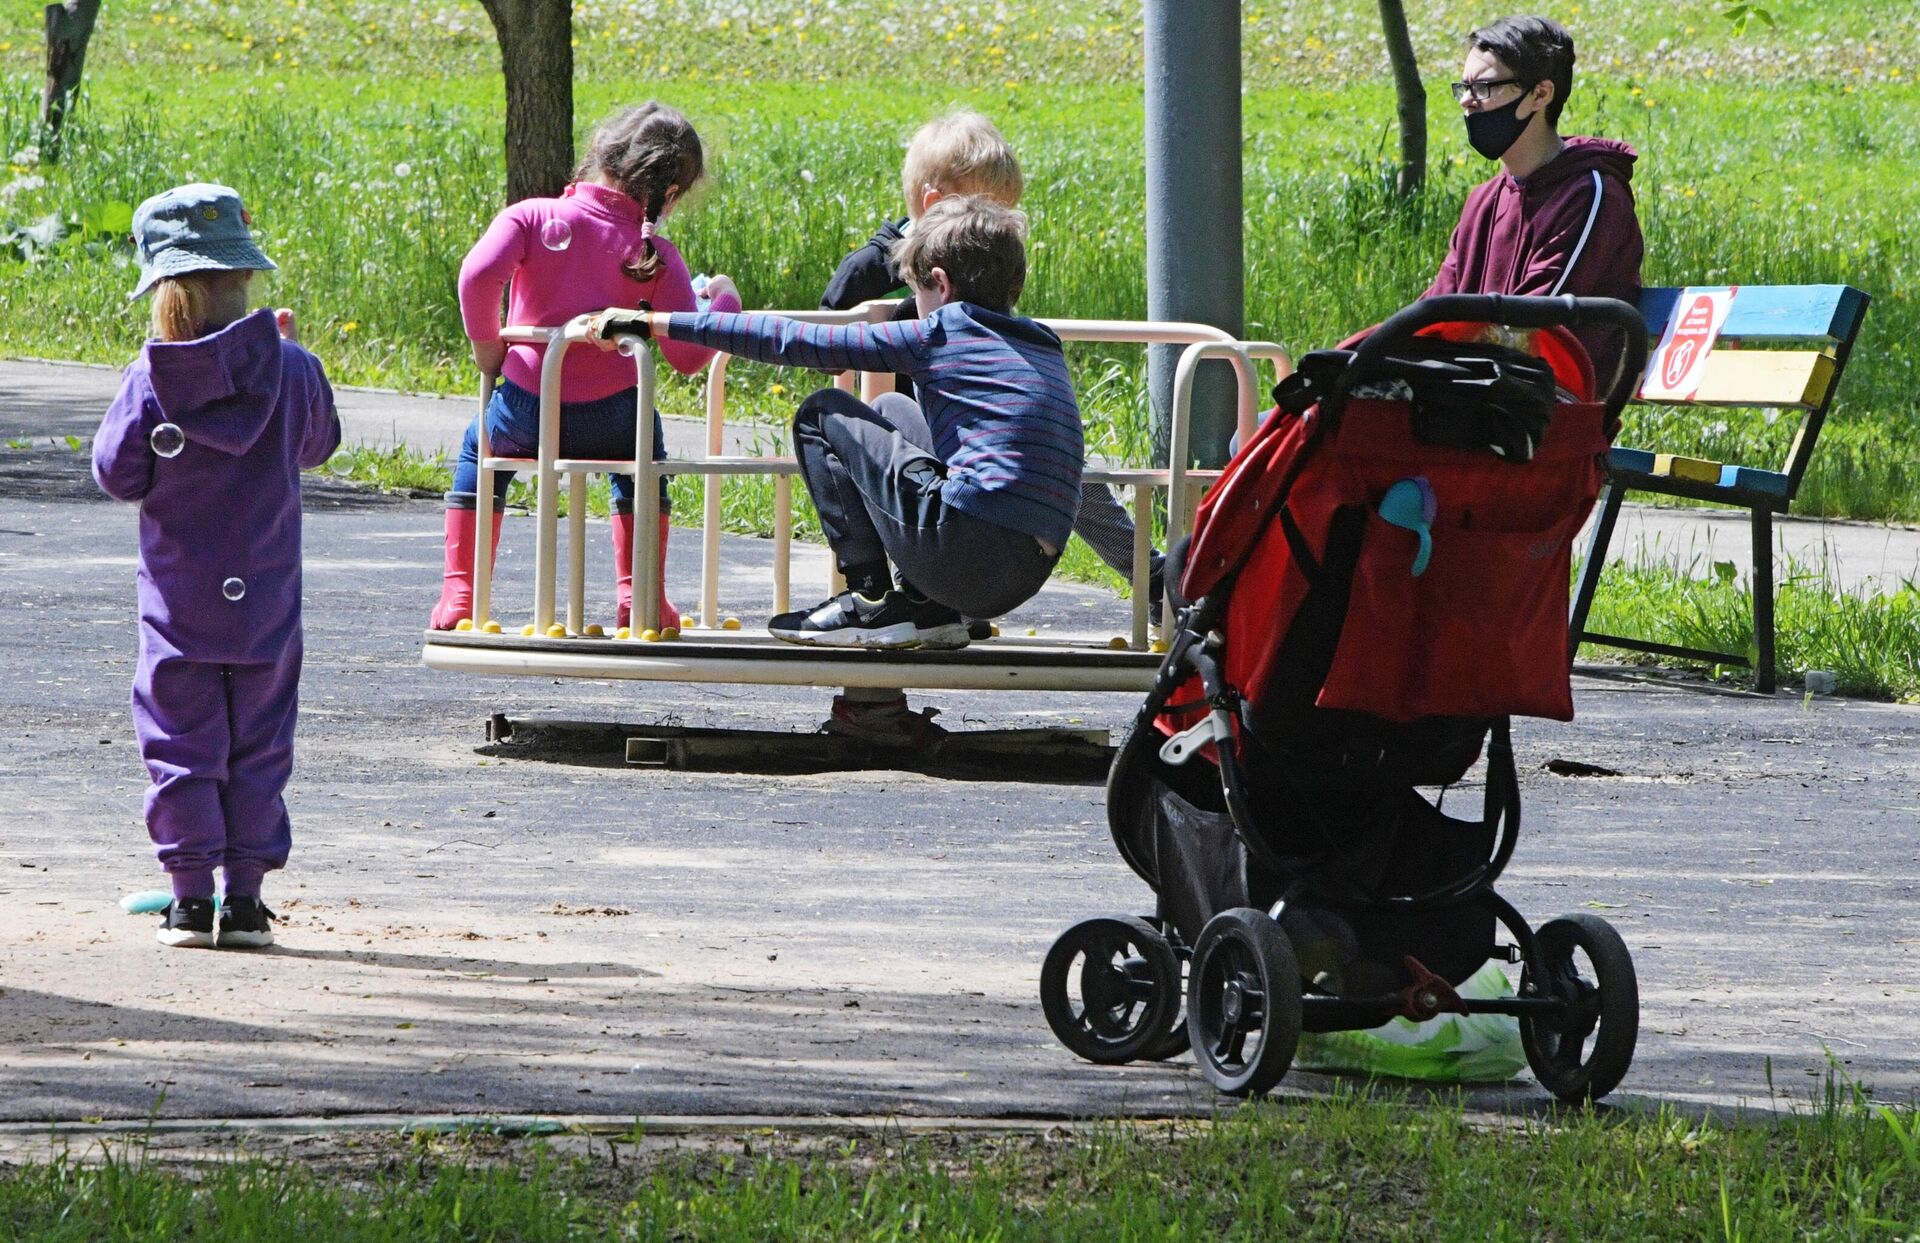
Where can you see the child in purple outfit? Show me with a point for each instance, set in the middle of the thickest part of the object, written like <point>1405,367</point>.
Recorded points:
<point>213,424</point>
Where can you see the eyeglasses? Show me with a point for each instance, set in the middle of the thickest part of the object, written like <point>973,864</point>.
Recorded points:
<point>1480,90</point>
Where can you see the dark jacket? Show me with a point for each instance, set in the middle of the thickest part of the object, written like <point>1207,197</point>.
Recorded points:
<point>867,273</point>
<point>1568,228</point>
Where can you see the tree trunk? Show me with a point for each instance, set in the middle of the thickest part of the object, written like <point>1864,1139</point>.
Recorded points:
<point>69,27</point>
<point>536,57</point>
<point>1411,95</point>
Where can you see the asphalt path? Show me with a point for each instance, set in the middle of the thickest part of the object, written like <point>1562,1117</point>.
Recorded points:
<point>466,929</point>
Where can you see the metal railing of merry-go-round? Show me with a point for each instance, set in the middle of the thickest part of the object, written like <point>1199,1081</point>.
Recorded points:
<point>1201,342</point>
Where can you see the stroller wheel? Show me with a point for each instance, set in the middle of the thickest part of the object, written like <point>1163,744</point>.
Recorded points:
<point>1243,1002</point>
<point>1110,989</point>
<point>1583,1055</point>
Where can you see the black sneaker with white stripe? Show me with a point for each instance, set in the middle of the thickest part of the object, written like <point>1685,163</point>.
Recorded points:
<point>851,620</point>
<point>245,923</point>
<point>941,629</point>
<point>187,923</point>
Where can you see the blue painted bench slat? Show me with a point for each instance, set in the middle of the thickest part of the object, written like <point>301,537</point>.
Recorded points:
<point>1828,313</point>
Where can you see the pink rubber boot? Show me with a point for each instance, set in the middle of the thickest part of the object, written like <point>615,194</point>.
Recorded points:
<point>456,584</point>
<point>623,573</point>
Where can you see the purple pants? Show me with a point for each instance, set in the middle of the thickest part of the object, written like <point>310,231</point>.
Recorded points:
<point>218,744</point>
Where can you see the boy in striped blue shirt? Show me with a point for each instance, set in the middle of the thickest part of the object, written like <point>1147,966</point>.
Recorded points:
<point>971,491</point>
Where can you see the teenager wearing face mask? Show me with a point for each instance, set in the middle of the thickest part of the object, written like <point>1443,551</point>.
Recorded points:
<point>1559,218</point>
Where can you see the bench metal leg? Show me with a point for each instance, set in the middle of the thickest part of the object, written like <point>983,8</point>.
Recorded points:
<point>1611,497</point>
<point>1763,671</point>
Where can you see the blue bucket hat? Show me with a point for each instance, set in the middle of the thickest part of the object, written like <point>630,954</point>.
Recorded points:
<point>196,228</point>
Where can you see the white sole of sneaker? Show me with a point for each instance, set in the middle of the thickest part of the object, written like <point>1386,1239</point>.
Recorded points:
<point>886,638</point>
<point>246,940</point>
<point>945,638</point>
<point>184,938</point>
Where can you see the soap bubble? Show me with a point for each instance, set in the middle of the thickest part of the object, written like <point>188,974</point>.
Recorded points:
<point>234,589</point>
<point>167,440</point>
<point>556,235</point>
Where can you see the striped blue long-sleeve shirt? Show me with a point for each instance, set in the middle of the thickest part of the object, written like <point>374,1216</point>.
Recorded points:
<point>994,388</point>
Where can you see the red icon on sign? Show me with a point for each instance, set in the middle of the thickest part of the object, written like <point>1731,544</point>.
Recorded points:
<point>1690,342</point>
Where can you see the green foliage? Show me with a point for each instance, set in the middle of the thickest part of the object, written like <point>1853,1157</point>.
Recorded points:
<point>1869,639</point>
<point>368,191</point>
<point>1340,1167</point>
<point>1742,15</point>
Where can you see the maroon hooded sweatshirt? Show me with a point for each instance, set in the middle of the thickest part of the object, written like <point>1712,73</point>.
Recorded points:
<point>1568,228</point>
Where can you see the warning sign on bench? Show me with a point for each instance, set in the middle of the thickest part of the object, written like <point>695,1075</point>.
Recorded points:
<point>1674,371</point>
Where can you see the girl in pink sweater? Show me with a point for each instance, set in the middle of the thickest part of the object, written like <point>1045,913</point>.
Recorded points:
<point>591,248</point>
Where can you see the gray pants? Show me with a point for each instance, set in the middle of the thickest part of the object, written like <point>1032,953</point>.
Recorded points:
<point>879,489</point>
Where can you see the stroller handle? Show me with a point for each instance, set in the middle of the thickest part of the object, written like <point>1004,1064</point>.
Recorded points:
<point>1511,311</point>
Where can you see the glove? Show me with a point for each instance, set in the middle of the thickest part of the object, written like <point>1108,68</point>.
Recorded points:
<point>620,323</point>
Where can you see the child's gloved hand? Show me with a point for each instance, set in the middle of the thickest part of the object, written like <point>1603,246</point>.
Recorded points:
<point>489,355</point>
<point>283,320</point>
<point>617,322</point>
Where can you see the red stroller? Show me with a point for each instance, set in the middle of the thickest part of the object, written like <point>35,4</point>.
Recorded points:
<point>1375,585</point>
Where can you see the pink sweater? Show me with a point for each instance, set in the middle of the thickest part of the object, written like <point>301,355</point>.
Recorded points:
<point>549,287</point>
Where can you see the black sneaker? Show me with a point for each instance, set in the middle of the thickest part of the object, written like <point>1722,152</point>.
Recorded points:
<point>187,923</point>
<point>851,620</point>
<point>245,923</point>
<point>941,629</point>
<point>979,628</point>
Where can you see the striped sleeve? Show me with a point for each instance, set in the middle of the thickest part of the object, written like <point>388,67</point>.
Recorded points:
<point>899,346</point>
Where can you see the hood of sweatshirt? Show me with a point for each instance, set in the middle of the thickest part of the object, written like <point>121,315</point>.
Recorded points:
<point>1580,156</point>
<point>220,387</point>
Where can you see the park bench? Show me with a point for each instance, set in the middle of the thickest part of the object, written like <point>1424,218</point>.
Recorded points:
<point>557,646</point>
<point>1777,347</point>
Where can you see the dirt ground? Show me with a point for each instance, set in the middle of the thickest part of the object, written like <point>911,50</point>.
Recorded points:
<point>469,931</point>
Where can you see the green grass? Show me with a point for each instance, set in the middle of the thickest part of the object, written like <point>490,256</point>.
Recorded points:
<point>1870,640</point>
<point>1340,1168</point>
<point>370,152</point>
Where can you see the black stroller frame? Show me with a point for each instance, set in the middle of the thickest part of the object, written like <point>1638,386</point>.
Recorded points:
<point>1241,978</point>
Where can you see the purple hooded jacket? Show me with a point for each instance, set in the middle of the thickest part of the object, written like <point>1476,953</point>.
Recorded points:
<point>1569,228</point>
<point>256,410</point>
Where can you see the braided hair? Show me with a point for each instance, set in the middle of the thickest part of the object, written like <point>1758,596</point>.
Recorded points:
<point>645,151</point>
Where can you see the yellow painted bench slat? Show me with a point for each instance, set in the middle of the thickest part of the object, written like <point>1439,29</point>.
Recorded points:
<point>1763,378</point>
<point>1674,466</point>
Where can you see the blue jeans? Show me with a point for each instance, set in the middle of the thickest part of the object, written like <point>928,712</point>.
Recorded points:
<point>588,429</point>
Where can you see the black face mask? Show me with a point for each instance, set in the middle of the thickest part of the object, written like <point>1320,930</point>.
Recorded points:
<point>1492,132</point>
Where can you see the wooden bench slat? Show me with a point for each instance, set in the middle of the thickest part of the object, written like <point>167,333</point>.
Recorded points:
<point>1697,477</point>
<point>1773,312</point>
<point>1698,470</point>
<point>1797,378</point>
<point>1752,479</point>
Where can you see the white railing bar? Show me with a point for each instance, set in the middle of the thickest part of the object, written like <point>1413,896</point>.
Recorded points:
<point>1179,448</point>
<point>546,535</point>
<point>1202,341</point>
<point>483,516</point>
